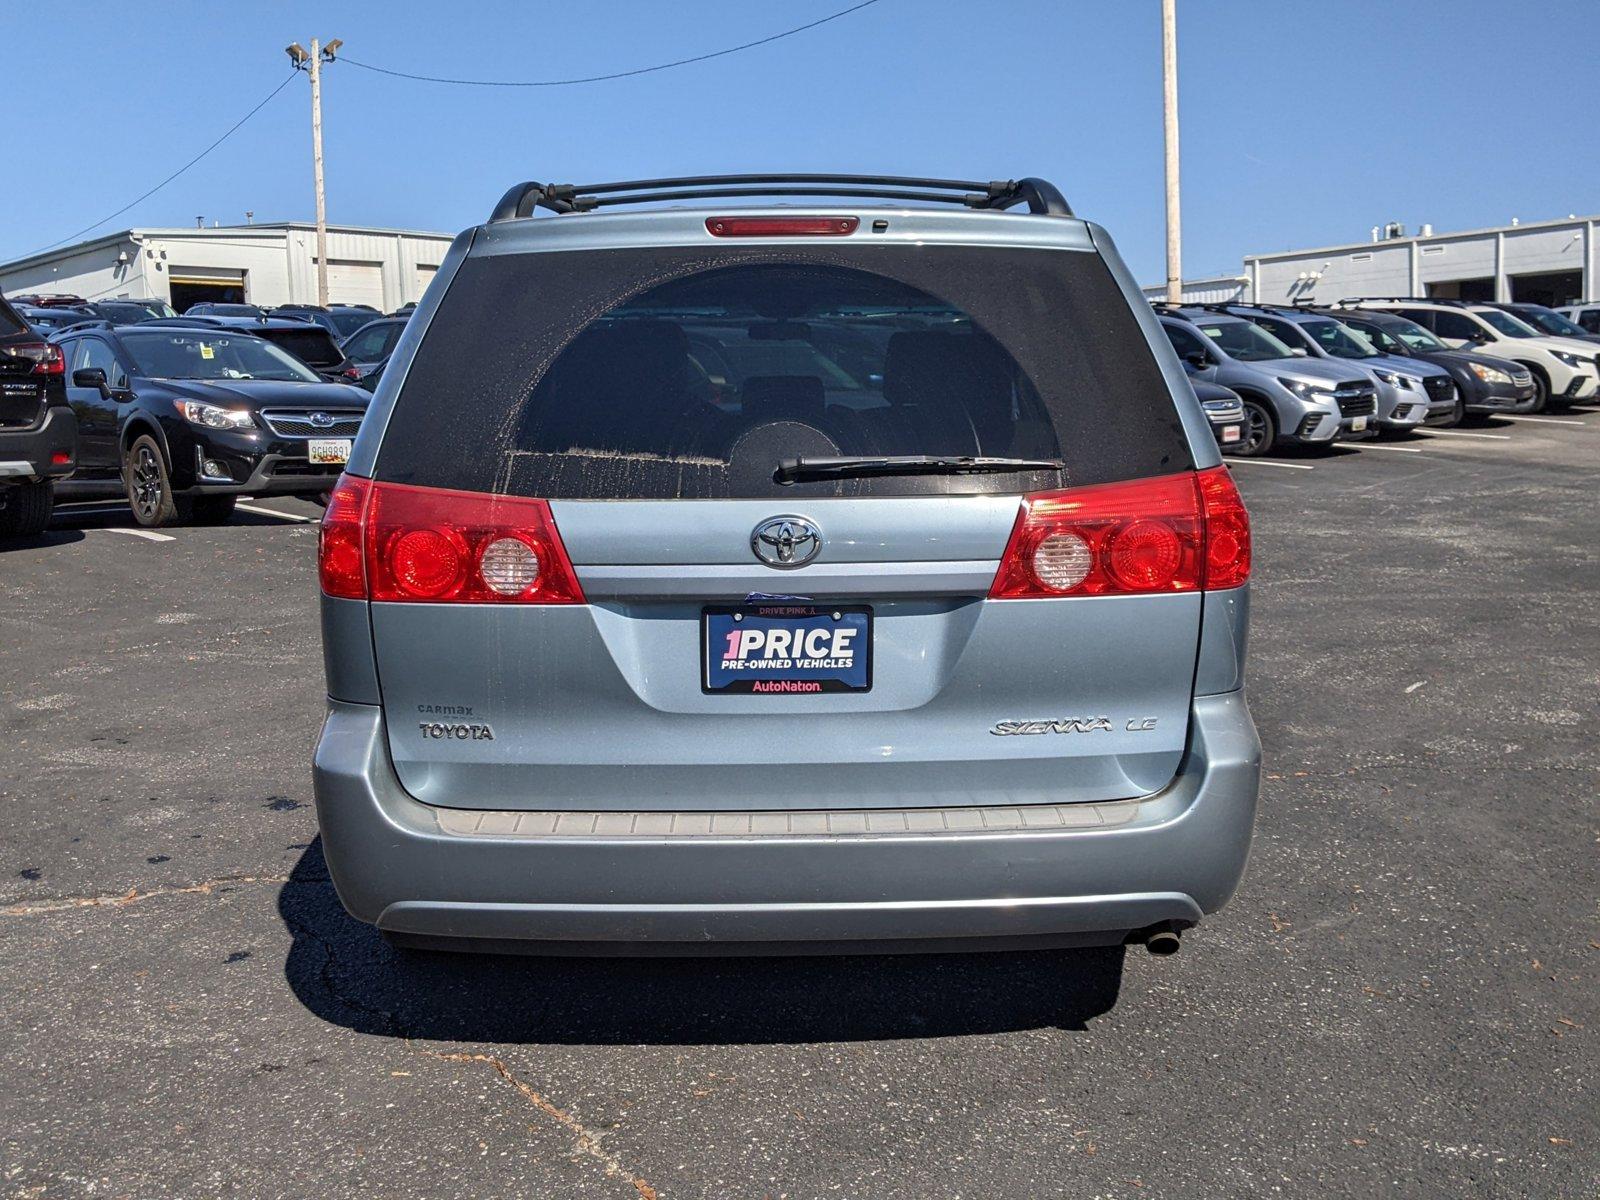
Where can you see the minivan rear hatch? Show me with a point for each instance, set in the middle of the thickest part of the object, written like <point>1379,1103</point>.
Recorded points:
<point>778,610</point>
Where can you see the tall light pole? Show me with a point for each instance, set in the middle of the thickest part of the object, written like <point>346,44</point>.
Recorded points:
<point>1169,112</point>
<point>311,63</point>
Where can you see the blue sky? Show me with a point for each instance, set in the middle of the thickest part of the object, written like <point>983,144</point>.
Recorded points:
<point>1304,123</point>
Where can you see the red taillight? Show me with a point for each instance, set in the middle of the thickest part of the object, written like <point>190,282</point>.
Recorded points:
<point>781,226</point>
<point>1227,530</point>
<point>61,458</point>
<point>46,357</point>
<point>340,560</point>
<point>1173,533</point>
<point>390,541</point>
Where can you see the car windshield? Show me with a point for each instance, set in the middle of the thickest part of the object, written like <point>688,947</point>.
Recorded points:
<point>1244,341</point>
<point>1418,337</point>
<point>195,355</point>
<point>1551,322</point>
<point>1339,340</point>
<point>348,322</point>
<point>1505,323</point>
<point>1387,343</point>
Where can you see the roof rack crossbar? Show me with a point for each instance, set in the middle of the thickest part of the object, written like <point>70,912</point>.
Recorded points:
<point>1039,195</point>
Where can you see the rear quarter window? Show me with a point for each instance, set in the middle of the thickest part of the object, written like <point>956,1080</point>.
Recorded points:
<point>693,373</point>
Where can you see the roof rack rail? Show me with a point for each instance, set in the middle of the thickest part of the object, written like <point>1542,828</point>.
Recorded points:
<point>1040,196</point>
<point>1450,300</point>
<point>1223,306</point>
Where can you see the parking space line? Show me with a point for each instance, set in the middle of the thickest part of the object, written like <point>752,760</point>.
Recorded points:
<point>1402,449</point>
<point>1267,462</point>
<point>1542,420</point>
<point>1488,437</point>
<point>272,512</point>
<point>148,535</point>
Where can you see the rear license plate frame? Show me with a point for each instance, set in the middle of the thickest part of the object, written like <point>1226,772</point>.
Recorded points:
<point>793,681</point>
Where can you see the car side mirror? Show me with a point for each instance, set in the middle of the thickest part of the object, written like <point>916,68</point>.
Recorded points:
<point>1298,351</point>
<point>91,377</point>
<point>1199,360</point>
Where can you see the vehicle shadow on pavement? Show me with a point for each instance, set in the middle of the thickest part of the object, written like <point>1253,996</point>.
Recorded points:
<point>52,537</point>
<point>343,972</point>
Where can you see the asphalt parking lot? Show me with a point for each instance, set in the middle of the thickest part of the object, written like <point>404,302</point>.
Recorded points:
<point>1403,999</point>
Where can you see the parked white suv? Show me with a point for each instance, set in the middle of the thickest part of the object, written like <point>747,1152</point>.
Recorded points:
<point>1564,370</point>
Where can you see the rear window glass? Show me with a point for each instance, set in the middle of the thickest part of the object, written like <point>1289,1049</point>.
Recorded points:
<point>315,345</point>
<point>10,323</point>
<point>693,374</point>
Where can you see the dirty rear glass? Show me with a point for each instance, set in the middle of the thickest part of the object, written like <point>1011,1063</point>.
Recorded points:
<point>693,373</point>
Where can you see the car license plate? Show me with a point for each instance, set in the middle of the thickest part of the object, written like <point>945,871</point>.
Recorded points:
<point>329,450</point>
<point>1357,424</point>
<point>1231,433</point>
<point>786,649</point>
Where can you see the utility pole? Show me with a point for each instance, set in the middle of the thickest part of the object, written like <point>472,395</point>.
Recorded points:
<point>1169,107</point>
<point>312,63</point>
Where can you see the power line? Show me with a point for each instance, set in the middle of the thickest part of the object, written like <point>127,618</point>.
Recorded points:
<point>681,62</point>
<point>234,128</point>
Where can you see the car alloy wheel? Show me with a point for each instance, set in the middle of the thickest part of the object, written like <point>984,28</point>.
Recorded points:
<point>148,485</point>
<point>1541,393</point>
<point>1258,430</point>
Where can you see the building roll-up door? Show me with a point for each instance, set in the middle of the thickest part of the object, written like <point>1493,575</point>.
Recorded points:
<point>355,283</point>
<point>425,274</point>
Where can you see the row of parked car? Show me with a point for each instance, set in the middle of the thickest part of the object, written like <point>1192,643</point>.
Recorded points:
<point>1310,374</point>
<point>344,341</point>
<point>181,415</point>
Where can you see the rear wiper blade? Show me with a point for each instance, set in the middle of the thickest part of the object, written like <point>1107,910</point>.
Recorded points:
<point>793,469</point>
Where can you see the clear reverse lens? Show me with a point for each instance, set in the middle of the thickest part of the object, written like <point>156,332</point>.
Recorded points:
<point>509,566</point>
<point>1062,561</point>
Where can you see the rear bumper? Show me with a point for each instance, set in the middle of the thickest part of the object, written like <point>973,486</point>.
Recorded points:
<point>870,881</point>
<point>25,455</point>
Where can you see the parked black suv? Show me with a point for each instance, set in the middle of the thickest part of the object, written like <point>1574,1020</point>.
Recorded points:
<point>341,320</point>
<point>1484,384</point>
<point>38,433</point>
<point>46,321</point>
<point>184,419</point>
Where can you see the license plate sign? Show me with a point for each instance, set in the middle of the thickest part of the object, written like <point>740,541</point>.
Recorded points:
<point>329,450</point>
<point>1230,433</point>
<point>1358,424</point>
<point>786,649</point>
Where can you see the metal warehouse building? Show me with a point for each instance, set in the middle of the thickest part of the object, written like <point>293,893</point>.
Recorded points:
<point>1545,262</point>
<point>260,264</point>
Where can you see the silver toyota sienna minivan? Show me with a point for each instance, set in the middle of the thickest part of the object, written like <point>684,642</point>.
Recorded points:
<point>748,577</point>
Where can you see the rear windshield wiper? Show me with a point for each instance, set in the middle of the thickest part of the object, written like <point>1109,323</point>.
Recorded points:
<point>793,469</point>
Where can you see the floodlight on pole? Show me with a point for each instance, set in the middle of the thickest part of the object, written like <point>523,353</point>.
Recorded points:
<point>311,62</point>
